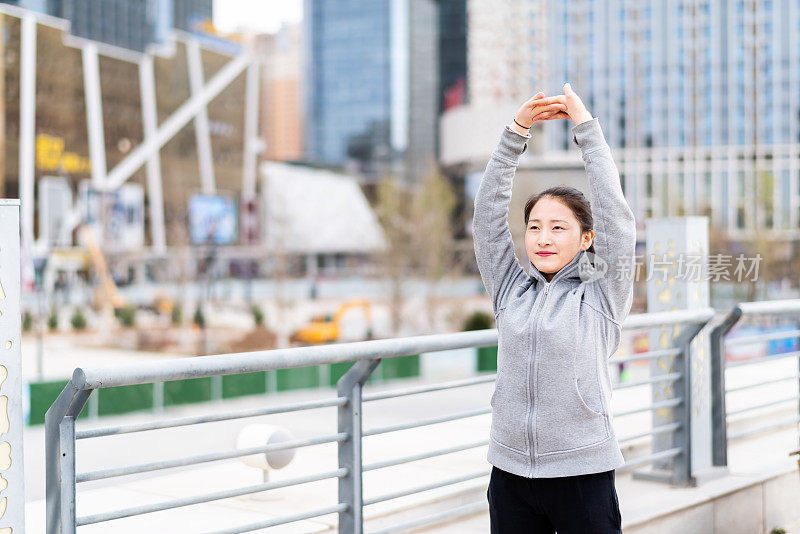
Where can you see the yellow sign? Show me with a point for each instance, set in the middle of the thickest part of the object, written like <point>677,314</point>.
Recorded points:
<point>50,156</point>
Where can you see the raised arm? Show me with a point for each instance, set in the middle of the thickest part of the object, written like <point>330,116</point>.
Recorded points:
<point>614,225</point>
<point>494,248</point>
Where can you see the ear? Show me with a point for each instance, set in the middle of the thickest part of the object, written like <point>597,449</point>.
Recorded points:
<point>586,239</point>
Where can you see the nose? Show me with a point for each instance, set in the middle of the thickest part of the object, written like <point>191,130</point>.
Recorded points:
<point>544,238</point>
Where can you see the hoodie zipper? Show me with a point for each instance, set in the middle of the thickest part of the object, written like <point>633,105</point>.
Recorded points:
<point>532,433</point>
<point>535,403</point>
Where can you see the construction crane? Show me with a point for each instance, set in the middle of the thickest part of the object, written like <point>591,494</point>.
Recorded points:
<point>108,291</point>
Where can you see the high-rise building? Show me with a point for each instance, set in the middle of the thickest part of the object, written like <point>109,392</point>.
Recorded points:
<point>187,14</point>
<point>372,85</point>
<point>281,97</point>
<point>698,99</point>
<point>452,53</point>
<point>506,60</point>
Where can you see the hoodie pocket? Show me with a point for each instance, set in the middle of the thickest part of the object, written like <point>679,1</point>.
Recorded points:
<point>510,408</point>
<point>565,422</point>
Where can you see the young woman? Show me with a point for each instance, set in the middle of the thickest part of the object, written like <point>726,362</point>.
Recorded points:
<point>553,447</point>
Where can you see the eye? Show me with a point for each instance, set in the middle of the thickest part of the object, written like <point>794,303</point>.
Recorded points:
<point>557,227</point>
<point>533,226</point>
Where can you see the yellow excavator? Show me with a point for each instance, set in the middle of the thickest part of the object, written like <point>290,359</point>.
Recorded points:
<point>325,328</point>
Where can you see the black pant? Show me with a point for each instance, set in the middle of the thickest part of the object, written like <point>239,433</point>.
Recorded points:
<point>569,505</point>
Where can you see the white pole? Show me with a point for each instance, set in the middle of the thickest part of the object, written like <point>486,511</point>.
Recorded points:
<point>251,122</point>
<point>186,112</point>
<point>202,134</point>
<point>94,114</point>
<point>154,185</point>
<point>27,132</point>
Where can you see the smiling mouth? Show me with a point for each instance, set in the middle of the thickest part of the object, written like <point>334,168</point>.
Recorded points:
<point>545,254</point>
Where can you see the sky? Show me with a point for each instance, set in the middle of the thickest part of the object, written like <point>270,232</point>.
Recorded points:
<point>262,16</point>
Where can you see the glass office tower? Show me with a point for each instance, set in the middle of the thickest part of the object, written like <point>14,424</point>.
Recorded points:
<point>372,85</point>
<point>699,99</point>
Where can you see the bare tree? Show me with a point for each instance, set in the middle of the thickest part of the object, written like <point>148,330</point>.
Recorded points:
<point>435,245</point>
<point>417,221</point>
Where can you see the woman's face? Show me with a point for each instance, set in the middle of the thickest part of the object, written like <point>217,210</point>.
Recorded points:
<point>553,236</point>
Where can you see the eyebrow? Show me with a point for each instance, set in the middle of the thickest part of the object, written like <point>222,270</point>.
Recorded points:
<point>551,220</point>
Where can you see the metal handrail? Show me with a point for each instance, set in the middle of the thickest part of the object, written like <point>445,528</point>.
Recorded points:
<point>205,458</point>
<point>89,378</point>
<point>213,418</point>
<point>719,413</point>
<point>366,355</point>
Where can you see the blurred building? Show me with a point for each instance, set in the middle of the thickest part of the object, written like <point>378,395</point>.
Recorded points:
<point>131,24</point>
<point>296,199</point>
<point>452,53</point>
<point>506,60</point>
<point>372,87</point>
<point>699,101</point>
<point>169,119</point>
<point>281,97</point>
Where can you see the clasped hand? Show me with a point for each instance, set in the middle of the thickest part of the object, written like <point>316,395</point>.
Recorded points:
<point>541,108</point>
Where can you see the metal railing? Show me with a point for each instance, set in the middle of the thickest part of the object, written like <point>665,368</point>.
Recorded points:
<point>678,441</point>
<point>719,390</point>
<point>61,434</point>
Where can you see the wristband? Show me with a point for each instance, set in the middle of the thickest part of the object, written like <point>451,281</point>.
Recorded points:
<point>521,126</point>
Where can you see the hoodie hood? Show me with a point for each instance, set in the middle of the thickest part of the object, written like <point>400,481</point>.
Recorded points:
<point>570,270</point>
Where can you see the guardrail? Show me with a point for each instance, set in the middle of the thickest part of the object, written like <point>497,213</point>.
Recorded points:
<point>692,322</point>
<point>61,434</point>
<point>719,390</point>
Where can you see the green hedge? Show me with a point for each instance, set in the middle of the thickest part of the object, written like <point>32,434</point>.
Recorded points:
<point>298,378</point>
<point>400,367</point>
<point>43,395</point>
<point>125,399</point>
<point>487,358</point>
<point>242,385</point>
<point>187,391</point>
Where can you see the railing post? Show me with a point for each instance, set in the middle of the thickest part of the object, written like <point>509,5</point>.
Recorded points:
<point>682,468</point>
<point>676,252</point>
<point>66,460</point>
<point>59,431</point>
<point>351,521</point>
<point>719,421</point>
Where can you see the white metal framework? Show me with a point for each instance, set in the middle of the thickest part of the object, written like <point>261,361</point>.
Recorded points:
<point>155,136</point>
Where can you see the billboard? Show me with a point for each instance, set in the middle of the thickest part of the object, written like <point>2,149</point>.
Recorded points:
<point>212,220</point>
<point>115,217</point>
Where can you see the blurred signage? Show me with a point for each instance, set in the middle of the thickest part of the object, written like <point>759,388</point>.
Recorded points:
<point>55,204</point>
<point>212,220</point>
<point>51,156</point>
<point>115,217</point>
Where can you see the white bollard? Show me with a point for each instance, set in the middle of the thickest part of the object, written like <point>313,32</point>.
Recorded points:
<point>261,435</point>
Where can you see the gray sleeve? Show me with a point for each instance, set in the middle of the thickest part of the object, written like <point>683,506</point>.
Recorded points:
<point>614,225</point>
<point>494,248</point>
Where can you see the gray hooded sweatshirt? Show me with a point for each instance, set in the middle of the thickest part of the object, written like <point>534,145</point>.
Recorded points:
<point>551,410</point>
